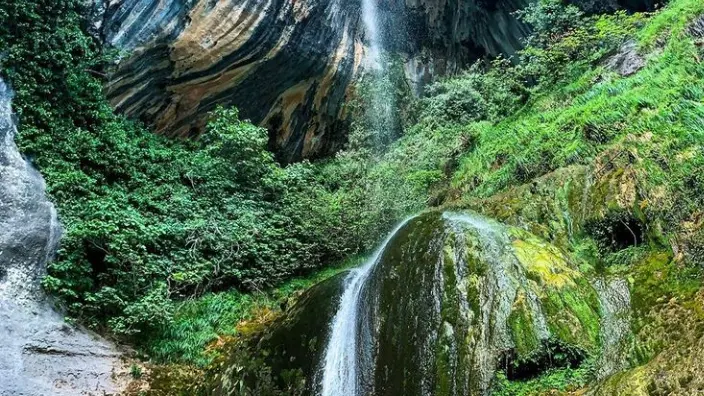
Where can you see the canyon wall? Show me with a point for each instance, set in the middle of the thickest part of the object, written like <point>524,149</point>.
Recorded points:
<point>288,65</point>
<point>40,354</point>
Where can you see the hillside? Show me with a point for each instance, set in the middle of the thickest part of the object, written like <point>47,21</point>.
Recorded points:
<point>558,242</point>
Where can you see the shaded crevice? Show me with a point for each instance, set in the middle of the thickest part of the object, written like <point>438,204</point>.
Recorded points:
<point>617,231</point>
<point>553,354</point>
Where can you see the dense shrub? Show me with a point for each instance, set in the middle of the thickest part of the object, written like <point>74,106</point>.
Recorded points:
<point>149,220</point>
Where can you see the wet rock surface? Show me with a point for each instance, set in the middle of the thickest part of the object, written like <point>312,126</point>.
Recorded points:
<point>39,353</point>
<point>627,61</point>
<point>452,298</point>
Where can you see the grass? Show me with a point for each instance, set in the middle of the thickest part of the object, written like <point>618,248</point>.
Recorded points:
<point>199,322</point>
<point>562,380</point>
<point>657,113</point>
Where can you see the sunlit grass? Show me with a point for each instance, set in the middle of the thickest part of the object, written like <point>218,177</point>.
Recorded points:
<point>576,121</point>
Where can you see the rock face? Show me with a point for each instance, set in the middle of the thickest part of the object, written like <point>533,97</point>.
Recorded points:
<point>452,299</point>
<point>39,354</point>
<point>627,61</point>
<point>288,65</point>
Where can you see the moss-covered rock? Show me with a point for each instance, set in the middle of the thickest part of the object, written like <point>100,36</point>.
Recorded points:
<point>453,298</point>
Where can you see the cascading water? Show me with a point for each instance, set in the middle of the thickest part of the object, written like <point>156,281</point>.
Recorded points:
<point>370,18</point>
<point>341,375</point>
<point>380,100</point>
<point>446,302</point>
<point>340,370</point>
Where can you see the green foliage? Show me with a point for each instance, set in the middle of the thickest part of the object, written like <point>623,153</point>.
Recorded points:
<point>150,221</point>
<point>136,371</point>
<point>566,42</point>
<point>549,383</point>
<point>198,323</point>
<point>476,95</point>
<point>575,120</point>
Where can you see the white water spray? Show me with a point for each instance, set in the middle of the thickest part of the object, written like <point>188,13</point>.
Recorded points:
<point>340,371</point>
<point>370,17</point>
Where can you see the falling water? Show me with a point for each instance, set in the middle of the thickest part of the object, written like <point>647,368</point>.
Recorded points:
<point>340,371</point>
<point>506,276</point>
<point>370,17</point>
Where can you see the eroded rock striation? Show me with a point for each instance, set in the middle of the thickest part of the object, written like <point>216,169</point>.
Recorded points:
<point>39,353</point>
<point>288,65</point>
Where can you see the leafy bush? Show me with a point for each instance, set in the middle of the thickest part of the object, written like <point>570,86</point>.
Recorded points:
<point>148,220</point>
<point>566,42</point>
<point>480,93</point>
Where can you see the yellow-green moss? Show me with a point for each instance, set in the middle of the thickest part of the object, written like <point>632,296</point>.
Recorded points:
<point>570,303</point>
<point>524,335</point>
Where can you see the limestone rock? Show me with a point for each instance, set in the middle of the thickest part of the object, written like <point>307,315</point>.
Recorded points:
<point>39,353</point>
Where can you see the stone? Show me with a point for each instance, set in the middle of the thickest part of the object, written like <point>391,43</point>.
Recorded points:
<point>627,61</point>
<point>40,354</point>
<point>696,30</point>
<point>453,298</point>
<point>287,65</point>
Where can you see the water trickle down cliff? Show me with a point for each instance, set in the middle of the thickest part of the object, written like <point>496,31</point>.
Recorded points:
<point>447,302</point>
<point>288,65</point>
<point>39,353</point>
<point>340,364</point>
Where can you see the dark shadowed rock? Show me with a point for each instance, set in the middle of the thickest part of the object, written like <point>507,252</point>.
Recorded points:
<point>627,61</point>
<point>696,29</point>
<point>39,353</point>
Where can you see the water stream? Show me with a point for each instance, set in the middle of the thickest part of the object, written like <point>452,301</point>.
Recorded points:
<point>340,371</point>
<point>370,18</point>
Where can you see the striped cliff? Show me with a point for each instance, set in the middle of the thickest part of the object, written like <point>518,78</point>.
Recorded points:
<point>287,64</point>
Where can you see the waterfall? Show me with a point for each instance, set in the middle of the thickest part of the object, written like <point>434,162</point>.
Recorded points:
<point>507,276</point>
<point>340,365</point>
<point>370,18</point>
<point>381,107</point>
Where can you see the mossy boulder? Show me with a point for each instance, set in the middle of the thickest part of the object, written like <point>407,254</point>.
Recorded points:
<point>453,298</point>
<point>574,200</point>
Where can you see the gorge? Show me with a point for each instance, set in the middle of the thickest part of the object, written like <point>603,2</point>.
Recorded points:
<point>204,197</point>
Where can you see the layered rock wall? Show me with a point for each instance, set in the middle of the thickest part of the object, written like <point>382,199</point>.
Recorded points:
<point>288,65</point>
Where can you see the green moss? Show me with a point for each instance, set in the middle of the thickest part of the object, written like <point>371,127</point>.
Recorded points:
<point>656,278</point>
<point>553,383</point>
<point>199,322</point>
<point>570,303</point>
<point>525,337</point>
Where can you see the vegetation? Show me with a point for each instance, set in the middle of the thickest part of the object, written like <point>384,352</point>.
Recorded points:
<point>557,380</point>
<point>174,241</point>
<point>150,222</point>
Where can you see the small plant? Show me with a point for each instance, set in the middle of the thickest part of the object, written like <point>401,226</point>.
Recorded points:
<point>136,371</point>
